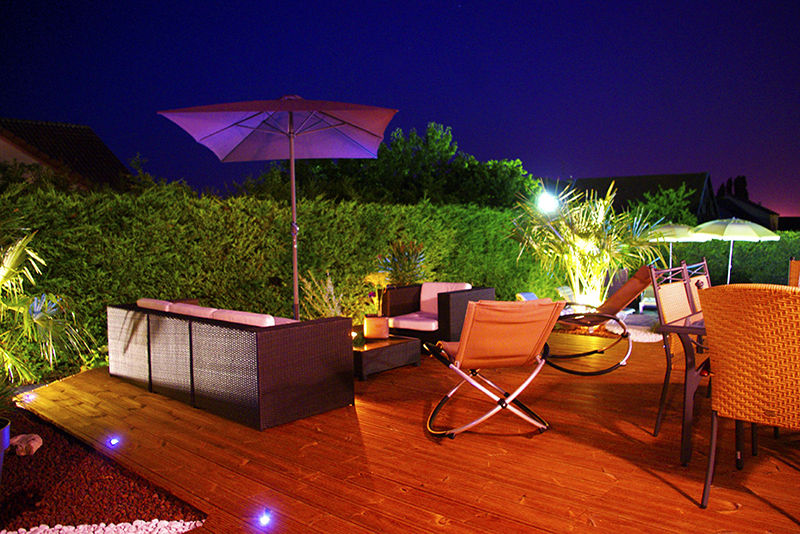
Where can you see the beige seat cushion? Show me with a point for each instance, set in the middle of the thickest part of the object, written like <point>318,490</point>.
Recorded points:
<point>426,322</point>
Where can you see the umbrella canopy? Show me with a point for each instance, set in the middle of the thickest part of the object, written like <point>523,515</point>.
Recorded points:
<point>735,230</point>
<point>676,233</point>
<point>288,128</point>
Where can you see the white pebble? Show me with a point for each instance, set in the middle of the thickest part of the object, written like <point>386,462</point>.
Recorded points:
<point>138,527</point>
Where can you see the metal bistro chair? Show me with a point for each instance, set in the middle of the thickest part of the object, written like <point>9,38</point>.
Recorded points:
<point>497,334</point>
<point>755,332</point>
<point>676,291</point>
<point>794,272</point>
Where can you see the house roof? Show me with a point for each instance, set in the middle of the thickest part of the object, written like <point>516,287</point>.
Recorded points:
<point>629,188</point>
<point>72,148</point>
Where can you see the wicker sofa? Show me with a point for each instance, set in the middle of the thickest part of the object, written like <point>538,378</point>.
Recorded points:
<point>431,311</point>
<point>250,368</point>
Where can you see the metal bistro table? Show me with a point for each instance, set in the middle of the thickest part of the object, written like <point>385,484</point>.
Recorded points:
<point>685,328</point>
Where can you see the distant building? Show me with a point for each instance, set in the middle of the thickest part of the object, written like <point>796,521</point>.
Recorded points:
<point>71,149</point>
<point>745,209</point>
<point>629,188</point>
<point>733,200</point>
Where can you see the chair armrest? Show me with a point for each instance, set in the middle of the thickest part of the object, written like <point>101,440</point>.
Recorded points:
<point>453,309</point>
<point>400,300</point>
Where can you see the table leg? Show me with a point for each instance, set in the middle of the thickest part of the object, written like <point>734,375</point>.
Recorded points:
<point>690,383</point>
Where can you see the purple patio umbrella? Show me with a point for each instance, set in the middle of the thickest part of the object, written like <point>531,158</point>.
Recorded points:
<point>288,128</point>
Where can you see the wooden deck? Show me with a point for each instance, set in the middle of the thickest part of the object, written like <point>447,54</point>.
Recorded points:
<point>372,468</point>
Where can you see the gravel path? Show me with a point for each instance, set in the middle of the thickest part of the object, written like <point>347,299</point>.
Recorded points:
<point>67,483</point>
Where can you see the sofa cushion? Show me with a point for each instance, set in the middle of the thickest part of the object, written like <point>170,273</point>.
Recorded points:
<point>154,304</point>
<point>192,309</point>
<point>426,322</point>
<point>284,320</point>
<point>242,317</point>
<point>428,296</point>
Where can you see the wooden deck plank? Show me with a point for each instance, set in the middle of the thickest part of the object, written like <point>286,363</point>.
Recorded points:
<point>372,468</point>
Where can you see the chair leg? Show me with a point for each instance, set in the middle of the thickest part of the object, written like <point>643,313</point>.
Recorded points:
<point>754,438</point>
<point>739,444</point>
<point>712,458</point>
<point>776,433</point>
<point>662,403</point>
<point>506,401</point>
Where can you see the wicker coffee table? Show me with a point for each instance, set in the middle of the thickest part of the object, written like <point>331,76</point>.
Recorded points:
<point>378,355</point>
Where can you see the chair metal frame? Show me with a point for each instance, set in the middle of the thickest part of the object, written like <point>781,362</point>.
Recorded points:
<point>794,272</point>
<point>459,362</point>
<point>676,291</point>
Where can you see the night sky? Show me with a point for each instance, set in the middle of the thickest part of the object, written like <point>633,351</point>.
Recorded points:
<point>570,89</point>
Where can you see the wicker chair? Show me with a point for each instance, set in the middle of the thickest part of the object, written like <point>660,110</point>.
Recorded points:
<point>495,335</point>
<point>754,330</point>
<point>676,291</point>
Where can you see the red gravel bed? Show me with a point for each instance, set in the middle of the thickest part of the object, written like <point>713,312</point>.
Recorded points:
<point>66,482</point>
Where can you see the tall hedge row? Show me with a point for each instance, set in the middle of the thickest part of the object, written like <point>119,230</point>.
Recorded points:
<point>165,242</point>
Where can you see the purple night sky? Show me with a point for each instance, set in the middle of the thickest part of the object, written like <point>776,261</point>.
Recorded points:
<point>570,89</point>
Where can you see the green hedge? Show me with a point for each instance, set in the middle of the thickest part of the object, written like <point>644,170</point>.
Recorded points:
<point>764,262</point>
<point>166,242</point>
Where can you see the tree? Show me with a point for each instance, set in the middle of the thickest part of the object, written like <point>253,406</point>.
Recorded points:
<point>409,168</point>
<point>667,205</point>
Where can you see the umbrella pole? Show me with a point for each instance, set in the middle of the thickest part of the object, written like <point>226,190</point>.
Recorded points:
<point>730,261</point>
<point>295,285</point>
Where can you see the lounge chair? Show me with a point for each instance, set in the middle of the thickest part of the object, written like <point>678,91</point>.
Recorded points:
<point>496,335</point>
<point>609,310</point>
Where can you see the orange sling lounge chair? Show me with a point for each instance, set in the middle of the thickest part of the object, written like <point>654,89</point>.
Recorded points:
<point>605,312</point>
<point>497,334</point>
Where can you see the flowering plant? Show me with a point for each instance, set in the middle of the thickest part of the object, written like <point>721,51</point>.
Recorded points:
<point>378,282</point>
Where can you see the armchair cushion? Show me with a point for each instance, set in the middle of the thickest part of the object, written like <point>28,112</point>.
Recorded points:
<point>428,297</point>
<point>427,322</point>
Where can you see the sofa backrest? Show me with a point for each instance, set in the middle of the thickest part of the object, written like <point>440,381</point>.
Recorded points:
<point>192,309</point>
<point>242,317</point>
<point>154,304</point>
<point>428,297</point>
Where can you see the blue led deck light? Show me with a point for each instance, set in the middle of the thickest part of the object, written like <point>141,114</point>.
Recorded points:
<point>113,441</point>
<point>264,518</point>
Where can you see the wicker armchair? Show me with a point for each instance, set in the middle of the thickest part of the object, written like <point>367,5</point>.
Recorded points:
<point>437,309</point>
<point>754,334</point>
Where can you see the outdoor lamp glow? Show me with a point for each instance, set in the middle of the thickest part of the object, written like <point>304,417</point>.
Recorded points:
<point>547,203</point>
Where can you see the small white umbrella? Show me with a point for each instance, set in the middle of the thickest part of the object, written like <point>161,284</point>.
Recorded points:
<point>676,233</point>
<point>735,230</point>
